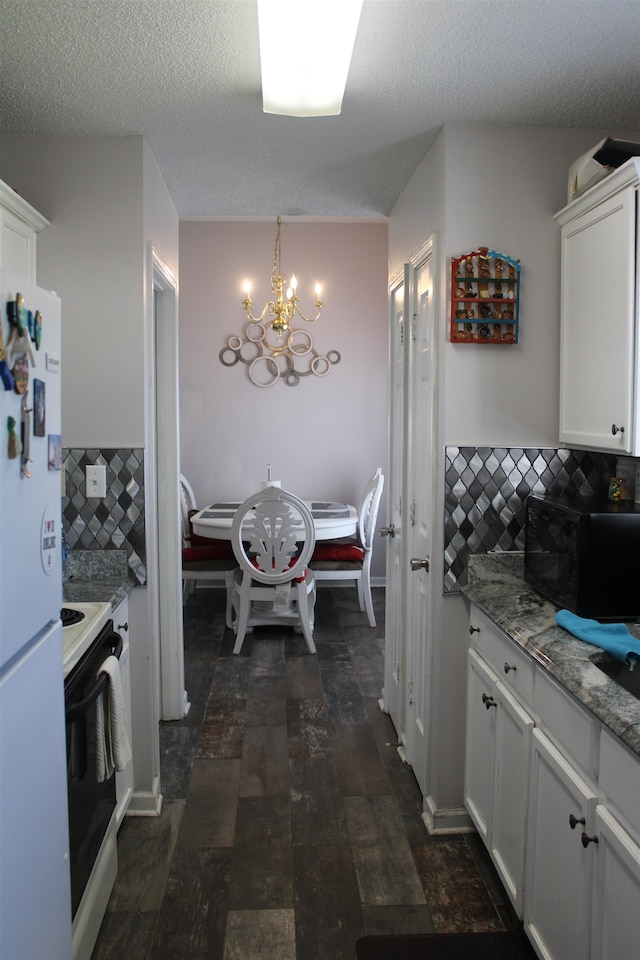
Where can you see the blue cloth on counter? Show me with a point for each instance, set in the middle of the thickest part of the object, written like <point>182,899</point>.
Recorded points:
<point>612,637</point>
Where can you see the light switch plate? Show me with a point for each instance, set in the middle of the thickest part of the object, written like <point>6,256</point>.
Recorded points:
<point>96,477</point>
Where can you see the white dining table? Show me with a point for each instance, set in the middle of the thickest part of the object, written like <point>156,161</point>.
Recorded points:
<point>331,520</point>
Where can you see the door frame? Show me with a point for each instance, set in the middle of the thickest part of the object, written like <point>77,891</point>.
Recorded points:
<point>163,539</point>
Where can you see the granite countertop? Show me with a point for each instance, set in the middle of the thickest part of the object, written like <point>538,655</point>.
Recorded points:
<point>495,584</point>
<point>96,575</point>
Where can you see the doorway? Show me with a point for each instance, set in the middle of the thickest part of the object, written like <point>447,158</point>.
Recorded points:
<point>163,471</point>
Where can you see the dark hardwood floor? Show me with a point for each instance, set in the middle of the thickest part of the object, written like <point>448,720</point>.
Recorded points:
<point>290,825</point>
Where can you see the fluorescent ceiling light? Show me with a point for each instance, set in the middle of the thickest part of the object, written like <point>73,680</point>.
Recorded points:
<point>305,52</point>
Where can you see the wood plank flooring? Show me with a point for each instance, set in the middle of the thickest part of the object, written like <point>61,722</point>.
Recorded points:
<point>290,825</point>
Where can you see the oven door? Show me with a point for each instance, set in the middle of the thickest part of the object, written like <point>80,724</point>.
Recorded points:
<point>91,801</point>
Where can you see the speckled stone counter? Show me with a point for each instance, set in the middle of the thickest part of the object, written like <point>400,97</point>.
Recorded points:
<point>496,586</point>
<point>96,575</point>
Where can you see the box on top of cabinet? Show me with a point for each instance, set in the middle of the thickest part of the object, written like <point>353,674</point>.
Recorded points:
<point>598,163</point>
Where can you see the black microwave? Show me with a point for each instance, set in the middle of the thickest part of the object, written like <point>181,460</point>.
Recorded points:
<point>583,554</point>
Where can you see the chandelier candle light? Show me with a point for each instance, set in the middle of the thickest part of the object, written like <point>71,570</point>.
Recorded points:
<point>280,310</point>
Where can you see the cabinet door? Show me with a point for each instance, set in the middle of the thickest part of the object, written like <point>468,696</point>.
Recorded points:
<point>597,370</point>
<point>559,868</point>
<point>480,743</point>
<point>511,790</point>
<point>124,778</point>
<point>616,905</point>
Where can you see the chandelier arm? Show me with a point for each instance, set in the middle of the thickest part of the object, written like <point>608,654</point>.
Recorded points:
<point>297,310</point>
<point>269,306</point>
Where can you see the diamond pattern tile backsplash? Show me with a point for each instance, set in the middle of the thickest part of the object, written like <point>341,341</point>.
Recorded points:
<point>486,489</point>
<point>115,522</point>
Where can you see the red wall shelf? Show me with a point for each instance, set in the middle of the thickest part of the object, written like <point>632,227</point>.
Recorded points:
<point>485,298</point>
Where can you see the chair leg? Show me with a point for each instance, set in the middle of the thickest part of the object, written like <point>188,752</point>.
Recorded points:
<point>365,585</point>
<point>243,605</point>
<point>228,582</point>
<point>361,594</point>
<point>306,614</point>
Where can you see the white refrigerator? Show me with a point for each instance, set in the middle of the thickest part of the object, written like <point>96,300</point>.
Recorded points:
<point>35,905</point>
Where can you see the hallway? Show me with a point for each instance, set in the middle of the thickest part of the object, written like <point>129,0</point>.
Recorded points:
<point>290,826</point>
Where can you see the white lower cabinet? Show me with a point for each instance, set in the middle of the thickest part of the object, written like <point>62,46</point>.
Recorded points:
<point>124,778</point>
<point>555,797</point>
<point>496,771</point>
<point>480,745</point>
<point>559,865</point>
<point>616,903</point>
<point>511,788</point>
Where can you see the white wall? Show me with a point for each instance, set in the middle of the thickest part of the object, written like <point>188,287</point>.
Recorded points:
<point>323,437</point>
<point>498,187</point>
<point>91,191</point>
<point>107,201</point>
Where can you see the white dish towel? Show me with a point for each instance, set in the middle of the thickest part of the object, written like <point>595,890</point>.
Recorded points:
<point>113,749</point>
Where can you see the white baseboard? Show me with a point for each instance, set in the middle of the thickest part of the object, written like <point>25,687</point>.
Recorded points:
<point>146,803</point>
<point>446,820</point>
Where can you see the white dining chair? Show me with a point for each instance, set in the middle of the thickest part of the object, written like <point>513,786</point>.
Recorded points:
<point>203,558</point>
<point>273,537</point>
<point>349,558</point>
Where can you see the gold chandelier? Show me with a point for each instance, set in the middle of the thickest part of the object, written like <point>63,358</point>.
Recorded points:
<point>280,311</point>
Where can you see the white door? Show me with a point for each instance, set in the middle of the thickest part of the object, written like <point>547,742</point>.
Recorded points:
<point>615,914</point>
<point>395,654</point>
<point>559,867</point>
<point>597,328</point>
<point>510,792</point>
<point>418,493</point>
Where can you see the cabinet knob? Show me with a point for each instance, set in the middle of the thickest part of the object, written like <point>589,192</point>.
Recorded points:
<point>473,630</point>
<point>389,531</point>
<point>574,821</point>
<point>123,626</point>
<point>509,666</point>
<point>417,564</point>
<point>488,701</point>
<point>587,840</point>
<point>615,430</point>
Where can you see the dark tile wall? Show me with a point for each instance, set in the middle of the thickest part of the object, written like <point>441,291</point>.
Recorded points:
<point>115,522</point>
<point>486,489</point>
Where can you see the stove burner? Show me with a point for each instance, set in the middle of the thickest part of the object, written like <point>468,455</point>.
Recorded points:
<point>69,616</point>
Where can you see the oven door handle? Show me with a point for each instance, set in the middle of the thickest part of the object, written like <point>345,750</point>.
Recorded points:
<point>114,640</point>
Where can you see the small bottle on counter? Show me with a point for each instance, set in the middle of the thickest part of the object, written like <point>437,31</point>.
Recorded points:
<point>626,472</point>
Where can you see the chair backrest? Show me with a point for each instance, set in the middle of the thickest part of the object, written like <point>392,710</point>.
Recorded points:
<point>187,503</point>
<point>369,507</point>
<point>273,536</point>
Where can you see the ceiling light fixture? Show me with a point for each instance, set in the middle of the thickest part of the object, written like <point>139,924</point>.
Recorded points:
<point>280,311</point>
<point>305,53</point>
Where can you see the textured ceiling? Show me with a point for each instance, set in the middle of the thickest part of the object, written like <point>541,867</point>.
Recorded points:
<point>185,75</point>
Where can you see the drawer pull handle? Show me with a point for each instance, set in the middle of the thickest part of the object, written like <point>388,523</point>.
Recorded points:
<point>509,666</point>
<point>587,840</point>
<point>473,630</point>
<point>574,821</point>
<point>488,701</point>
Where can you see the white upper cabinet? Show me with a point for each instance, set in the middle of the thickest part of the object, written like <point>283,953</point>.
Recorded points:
<point>19,226</point>
<point>599,370</point>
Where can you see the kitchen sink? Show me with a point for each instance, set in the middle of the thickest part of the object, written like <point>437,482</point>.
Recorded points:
<point>620,672</point>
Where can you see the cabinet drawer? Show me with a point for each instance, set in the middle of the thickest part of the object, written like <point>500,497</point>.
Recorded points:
<point>513,666</point>
<point>619,778</point>
<point>565,721</point>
